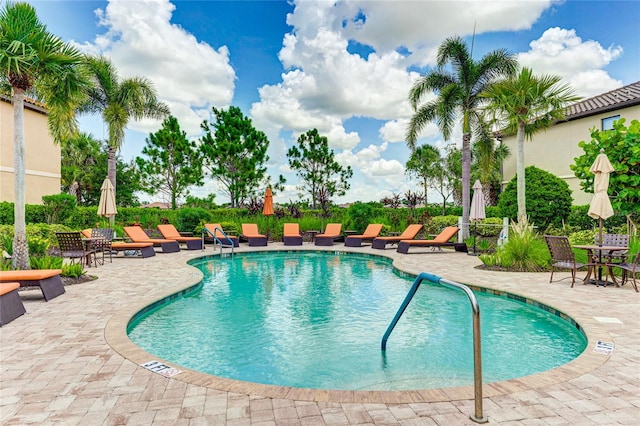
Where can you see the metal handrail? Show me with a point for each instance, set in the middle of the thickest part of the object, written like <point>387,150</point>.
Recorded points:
<point>217,240</point>
<point>477,352</point>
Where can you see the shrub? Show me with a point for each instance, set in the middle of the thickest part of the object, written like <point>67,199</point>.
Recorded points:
<point>59,208</point>
<point>46,262</point>
<point>438,223</point>
<point>524,251</point>
<point>189,218</point>
<point>548,198</point>
<point>73,270</point>
<point>360,215</point>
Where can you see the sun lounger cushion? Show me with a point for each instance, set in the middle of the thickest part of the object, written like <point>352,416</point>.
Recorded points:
<point>331,233</point>
<point>48,280</point>
<point>11,306</point>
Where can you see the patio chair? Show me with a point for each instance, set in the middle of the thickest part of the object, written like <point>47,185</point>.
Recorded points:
<point>562,257</point>
<point>170,232</point>
<point>408,234</point>
<point>368,235</point>
<point>331,233</point>
<point>101,240</point>
<point>251,234</point>
<point>441,240</point>
<point>74,248</point>
<point>614,240</point>
<point>137,235</point>
<point>629,270</point>
<point>215,230</point>
<point>291,235</point>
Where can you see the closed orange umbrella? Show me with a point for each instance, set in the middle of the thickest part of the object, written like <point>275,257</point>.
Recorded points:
<point>267,208</point>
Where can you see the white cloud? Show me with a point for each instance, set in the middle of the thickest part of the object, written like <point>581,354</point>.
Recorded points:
<point>562,52</point>
<point>190,75</point>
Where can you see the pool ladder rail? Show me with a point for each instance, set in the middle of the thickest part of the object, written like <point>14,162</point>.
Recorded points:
<point>216,240</point>
<point>477,352</point>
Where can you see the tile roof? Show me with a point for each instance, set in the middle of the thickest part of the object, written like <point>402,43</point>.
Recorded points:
<point>623,97</point>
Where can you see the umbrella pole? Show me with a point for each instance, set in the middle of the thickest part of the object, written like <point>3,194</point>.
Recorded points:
<point>600,255</point>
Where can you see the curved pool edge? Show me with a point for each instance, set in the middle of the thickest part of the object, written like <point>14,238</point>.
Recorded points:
<point>117,338</point>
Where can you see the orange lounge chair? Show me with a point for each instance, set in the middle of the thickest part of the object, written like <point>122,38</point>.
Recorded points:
<point>215,230</point>
<point>442,240</point>
<point>48,280</point>
<point>137,235</point>
<point>331,232</point>
<point>291,234</point>
<point>11,306</point>
<point>369,234</point>
<point>408,234</point>
<point>251,234</point>
<point>171,233</point>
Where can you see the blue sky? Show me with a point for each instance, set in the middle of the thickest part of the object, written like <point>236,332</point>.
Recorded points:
<point>343,67</point>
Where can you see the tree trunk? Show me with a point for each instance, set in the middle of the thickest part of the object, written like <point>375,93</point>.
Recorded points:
<point>20,256</point>
<point>520,178</point>
<point>111,174</point>
<point>425,191</point>
<point>466,182</point>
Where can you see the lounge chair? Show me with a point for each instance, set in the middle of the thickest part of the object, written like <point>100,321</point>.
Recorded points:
<point>331,233</point>
<point>291,234</point>
<point>214,229</point>
<point>369,234</point>
<point>408,234</point>
<point>137,235</point>
<point>441,240</point>
<point>48,280</point>
<point>170,232</point>
<point>251,234</point>
<point>11,306</point>
<point>145,249</point>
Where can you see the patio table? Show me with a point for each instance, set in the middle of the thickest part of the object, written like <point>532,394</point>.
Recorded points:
<point>594,252</point>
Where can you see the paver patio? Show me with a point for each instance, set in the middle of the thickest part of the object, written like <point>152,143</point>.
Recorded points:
<point>68,361</point>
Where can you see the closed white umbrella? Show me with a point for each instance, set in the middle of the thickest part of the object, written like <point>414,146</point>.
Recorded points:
<point>107,205</point>
<point>476,212</point>
<point>600,207</point>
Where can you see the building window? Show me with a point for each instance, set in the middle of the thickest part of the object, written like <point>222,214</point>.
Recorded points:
<point>607,123</point>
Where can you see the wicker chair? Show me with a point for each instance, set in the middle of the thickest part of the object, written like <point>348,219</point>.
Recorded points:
<point>103,238</point>
<point>629,270</point>
<point>615,240</point>
<point>72,247</point>
<point>562,257</point>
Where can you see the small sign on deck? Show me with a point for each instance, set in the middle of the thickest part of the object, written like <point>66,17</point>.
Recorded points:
<point>160,368</point>
<point>604,347</point>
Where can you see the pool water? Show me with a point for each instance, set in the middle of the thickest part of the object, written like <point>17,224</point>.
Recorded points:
<point>316,320</point>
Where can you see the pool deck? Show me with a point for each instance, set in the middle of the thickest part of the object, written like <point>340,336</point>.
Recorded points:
<point>69,362</point>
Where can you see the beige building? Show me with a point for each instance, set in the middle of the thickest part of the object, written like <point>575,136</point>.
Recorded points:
<point>42,157</point>
<point>554,150</point>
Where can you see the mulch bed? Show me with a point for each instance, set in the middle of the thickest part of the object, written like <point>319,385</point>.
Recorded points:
<point>80,280</point>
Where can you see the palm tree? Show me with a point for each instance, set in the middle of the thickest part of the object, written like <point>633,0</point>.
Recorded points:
<point>34,61</point>
<point>119,101</point>
<point>487,161</point>
<point>457,96</point>
<point>526,104</point>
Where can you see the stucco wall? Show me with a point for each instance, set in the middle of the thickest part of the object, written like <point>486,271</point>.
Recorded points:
<point>42,157</point>
<point>555,149</point>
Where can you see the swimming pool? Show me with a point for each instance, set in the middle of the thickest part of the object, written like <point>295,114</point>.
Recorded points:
<point>315,320</point>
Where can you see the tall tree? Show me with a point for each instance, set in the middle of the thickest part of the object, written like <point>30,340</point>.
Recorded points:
<point>314,164</point>
<point>457,95</point>
<point>119,102</point>
<point>526,104</point>
<point>34,60</point>
<point>174,163</point>
<point>422,164</point>
<point>235,153</point>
